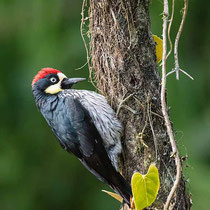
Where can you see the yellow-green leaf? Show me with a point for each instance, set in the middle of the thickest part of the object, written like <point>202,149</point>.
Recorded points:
<point>145,187</point>
<point>114,195</point>
<point>159,47</point>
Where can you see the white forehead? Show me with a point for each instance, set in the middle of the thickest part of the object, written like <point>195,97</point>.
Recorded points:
<point>61,76</point>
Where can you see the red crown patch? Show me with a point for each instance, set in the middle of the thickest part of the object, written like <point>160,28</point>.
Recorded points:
<point>45,71</point>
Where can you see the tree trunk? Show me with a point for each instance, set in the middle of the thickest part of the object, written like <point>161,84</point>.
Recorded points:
<point>125,70</point>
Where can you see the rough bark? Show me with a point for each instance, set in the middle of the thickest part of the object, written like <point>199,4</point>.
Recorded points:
<point>125,70</point>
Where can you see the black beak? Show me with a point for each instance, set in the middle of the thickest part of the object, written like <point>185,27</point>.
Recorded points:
<point>68,82</point>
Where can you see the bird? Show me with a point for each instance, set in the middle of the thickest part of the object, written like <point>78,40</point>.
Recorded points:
<point>84,124</point>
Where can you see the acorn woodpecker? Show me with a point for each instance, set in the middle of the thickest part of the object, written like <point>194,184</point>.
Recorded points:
<point>84,124</point>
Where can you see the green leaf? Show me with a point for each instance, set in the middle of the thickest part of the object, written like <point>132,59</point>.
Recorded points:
<point>145,187</point>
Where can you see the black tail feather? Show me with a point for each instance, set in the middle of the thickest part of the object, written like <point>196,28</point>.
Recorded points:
<point>122,187</point>
<point>114,179</point>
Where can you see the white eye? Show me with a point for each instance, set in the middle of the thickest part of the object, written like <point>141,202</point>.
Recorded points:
<point>53,79</point>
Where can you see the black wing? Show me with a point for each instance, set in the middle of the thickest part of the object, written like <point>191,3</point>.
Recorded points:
<point>83,140</point>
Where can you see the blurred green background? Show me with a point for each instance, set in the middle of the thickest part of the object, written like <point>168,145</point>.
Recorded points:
<point>35,173</point>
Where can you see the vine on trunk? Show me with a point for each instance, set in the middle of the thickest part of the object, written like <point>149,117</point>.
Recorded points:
<point>122,63</point>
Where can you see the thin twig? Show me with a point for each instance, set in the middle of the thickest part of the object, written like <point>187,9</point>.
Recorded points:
<point>130,109</point>
<point>83,39</point>
<point>172,179</point>
<point>157,115</point>
<point>122,102</point>
<point>164,110</point>
<point>169,29</point>
<point>171,72</point>
<point>81,67</point>
<point>176,58</point>
<point>81,31</point>
<point>153,132</point>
